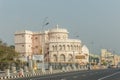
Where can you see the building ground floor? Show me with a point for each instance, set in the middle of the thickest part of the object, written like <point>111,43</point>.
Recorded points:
<point>59,65</point>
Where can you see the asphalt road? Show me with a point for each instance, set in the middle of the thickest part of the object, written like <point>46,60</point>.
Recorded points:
<point>106,74</point>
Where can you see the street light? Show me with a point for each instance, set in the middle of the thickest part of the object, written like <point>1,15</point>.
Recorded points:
<point>43,42</point>
<point>90,56</point>
<point>89,62</point>
<point>74,60</point>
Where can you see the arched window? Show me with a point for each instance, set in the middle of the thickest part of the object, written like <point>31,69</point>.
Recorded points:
<point>53,48</point>
<point>77,47</point>
<point>55,58</point>
<point>60,47</point>
<point>70,58</point>
<point>58,36</point>
<point>62,58</point>
<point>74,47</point>
<point>64,36</point>
<point>71,47</point>
<point>63,47</point>
<point>68,47</point>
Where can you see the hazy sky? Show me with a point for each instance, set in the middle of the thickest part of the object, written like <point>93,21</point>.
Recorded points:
<point>96,22</point>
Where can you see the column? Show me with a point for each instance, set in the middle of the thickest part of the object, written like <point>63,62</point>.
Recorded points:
<point>7,72</point>
<point>26,68</point>
<point>13,69</point>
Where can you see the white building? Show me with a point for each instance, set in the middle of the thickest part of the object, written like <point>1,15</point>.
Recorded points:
<point>85,55</point>
<point>109,58</point>
<point>54,44</point>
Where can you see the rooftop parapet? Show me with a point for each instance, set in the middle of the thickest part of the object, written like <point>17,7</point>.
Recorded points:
<point>65,40</point>
<point>23,32</point>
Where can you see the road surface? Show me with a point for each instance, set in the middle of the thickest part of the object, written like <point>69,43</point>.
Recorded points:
<point>104,74</point>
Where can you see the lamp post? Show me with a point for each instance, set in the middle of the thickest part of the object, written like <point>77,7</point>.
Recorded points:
<point>43,64</point>
<point>89,62</point>
<point>74,60</point>
<point>90,56</point>
<point>43,43</point>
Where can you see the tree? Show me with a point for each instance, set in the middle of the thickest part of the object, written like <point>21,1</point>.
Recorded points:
<point>104,63</point>
<point>7,55</point>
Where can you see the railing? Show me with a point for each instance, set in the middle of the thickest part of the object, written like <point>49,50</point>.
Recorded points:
<point>16,75</point>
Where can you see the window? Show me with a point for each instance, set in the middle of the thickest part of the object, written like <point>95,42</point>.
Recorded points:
<point>70,58</point>
<point>36,38</point>
<point>63,47</point>
<point>22,45</point>
<point>55,58</point>
<point>62,58</point>
<point>53,48</point>
<point>71,47</point>
<point>64,37</point>
<point>36,46</point>
<point>58,37</point>
<point>68,47</point>
<point>60,47</point>
<point>22,35</point>
<point>56,47</point>
<point>77,47</point>
<point>74,47</point>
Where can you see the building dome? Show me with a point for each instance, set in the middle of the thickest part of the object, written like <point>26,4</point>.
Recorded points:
<point>85,49</point>
<point>58,30</point>
<point>58,33</point>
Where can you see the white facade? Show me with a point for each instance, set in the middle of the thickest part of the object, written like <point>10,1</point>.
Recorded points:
<point>109,57</point>
<point>85,54</point>
<point>23,42</point>
<point>54,44</point>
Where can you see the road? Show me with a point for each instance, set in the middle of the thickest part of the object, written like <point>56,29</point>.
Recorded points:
<point>105,74</point>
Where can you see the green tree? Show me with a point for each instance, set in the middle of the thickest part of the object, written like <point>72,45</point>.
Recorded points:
<point>7,55</point>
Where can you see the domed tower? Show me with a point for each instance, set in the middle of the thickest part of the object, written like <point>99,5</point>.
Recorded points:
<point>58,33</point>
<point>85,53</point>
<point>62,49</point>
<point>85,50</point>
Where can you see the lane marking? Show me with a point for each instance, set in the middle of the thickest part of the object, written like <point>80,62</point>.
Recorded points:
<point>108,76</point>
<point>62,79</point>
<point>91,73</point>
<point>83,75</point>
<point>56,75</point>
<point>74,76</point>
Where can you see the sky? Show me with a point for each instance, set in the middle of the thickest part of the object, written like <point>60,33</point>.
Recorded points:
<point>95,22</point>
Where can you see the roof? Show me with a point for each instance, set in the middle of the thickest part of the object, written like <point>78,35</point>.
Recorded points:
<point>57,30</point>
